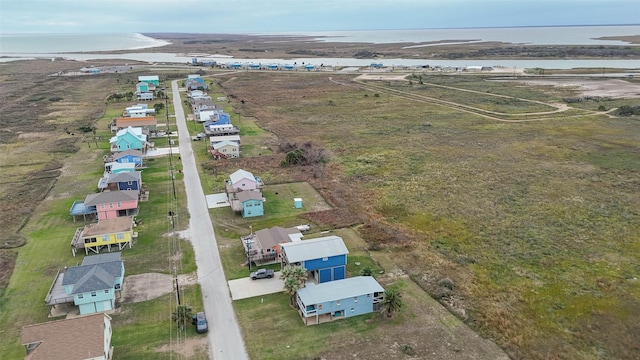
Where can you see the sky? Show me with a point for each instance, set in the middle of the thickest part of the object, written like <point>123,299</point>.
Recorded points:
<point>274,16</point>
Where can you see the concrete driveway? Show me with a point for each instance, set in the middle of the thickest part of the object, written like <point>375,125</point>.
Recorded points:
<point>247,288</point>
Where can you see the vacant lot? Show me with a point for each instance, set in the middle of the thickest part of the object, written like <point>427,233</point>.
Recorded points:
<point>527,231</point>
<point>535,223</point>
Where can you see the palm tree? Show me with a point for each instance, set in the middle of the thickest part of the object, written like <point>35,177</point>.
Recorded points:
<point>367,271</point>
<point>182,315</point>
<point>294,278</point>
<point>392,301</point>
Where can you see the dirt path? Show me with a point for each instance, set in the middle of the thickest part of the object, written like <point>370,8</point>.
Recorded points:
<point>613,88</point>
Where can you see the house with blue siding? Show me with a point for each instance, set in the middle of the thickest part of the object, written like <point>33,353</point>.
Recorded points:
<point>94,283</point>
<point>115,167</point>
<point>251,203</point>
<point>340,299</point>
<point>121,181</point>
<point>127,156</point>
<point>324,258</point>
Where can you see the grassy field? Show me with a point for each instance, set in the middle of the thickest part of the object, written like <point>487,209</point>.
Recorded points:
<point>526,231</point>
<point>535,223</point>
<point>49,232</point>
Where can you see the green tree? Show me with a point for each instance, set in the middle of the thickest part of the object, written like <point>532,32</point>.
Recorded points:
<point>294,278</point>
<point>366,271</point>
<point>158,107</point>
<point>182,315</point>
<point>392,301</point>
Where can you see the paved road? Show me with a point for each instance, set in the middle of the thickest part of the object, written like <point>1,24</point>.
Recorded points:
<point>225,339</point>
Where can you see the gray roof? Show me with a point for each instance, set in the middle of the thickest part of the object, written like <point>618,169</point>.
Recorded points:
<point>339,289</point>
<point>94,277</point>
<point>101,258</point>
<point>240,174</point>
<point>132,152</point>
<point>124,176</point>
<point>314,248</point>
<point>110,196</point>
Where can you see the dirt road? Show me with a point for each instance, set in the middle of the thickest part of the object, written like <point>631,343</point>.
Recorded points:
<point>225,339</point>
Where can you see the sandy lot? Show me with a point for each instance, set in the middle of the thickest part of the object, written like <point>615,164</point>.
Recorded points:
<point>613,88</point>
<point>143,287</point>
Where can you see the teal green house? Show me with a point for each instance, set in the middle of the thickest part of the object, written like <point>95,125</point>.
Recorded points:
<point>129,139</point>
<point>149,79</point>
<point>93,284</point>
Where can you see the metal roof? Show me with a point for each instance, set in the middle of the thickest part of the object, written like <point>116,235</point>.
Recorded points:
<point>241,174</point>
<point>339,289</point>
<point>110,196</point>
<point>314,249</point>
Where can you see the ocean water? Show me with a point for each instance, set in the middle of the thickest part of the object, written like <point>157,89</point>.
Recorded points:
<point>84,46</point>
<point>62,43</point>
<point>558,35</point>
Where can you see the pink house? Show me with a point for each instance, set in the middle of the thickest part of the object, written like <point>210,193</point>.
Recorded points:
<point>113,204</point>
<point>243,180</point>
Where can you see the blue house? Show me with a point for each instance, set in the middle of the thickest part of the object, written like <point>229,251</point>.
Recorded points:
<point>128,156</point>
<point>94,283</point>
<point>325,258</point>
<point>252,203</point>
<point>339,299</point>
<point>117,167</point>
<point>121,181</point>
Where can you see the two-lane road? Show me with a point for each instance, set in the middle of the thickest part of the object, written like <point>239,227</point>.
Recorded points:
<point>225,338</point>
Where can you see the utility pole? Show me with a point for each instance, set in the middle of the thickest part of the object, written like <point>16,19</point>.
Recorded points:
<point>175,275</point>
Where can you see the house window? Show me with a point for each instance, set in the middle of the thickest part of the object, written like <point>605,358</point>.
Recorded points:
<point>105,237</point>
<point>120,236</point>
<point>119,204</point>
<point>130,182</point>
<point>80,296</point>
<point>106,291</point>
<point>325,258</point>
<point>101,206</point>
<point>319,306</point>
<point>338,303</point>
<point>368,295</point>
<point>355,299</point>
<point>117,287</point>
<point>110,205</point>
<point>352,309</point>
<point>94,294</point>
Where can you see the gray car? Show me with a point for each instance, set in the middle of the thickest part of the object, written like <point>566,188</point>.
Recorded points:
<point>200,321</point>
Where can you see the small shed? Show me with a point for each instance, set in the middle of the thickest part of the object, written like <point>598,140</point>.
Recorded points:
<point>297,203</point>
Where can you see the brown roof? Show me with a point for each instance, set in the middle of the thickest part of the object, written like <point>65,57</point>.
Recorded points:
<point>249,195</point>
<point>58,340</point>
<point>108,226</point>
<point>123,122</point>
<point>269,238</point>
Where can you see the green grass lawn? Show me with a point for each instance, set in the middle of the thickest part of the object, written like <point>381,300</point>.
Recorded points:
<point>50,232</point>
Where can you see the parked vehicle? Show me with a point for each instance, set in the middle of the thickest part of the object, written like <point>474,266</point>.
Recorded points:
<point>261,274</point>
<point>200,136</point>
<point>200,321</point>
